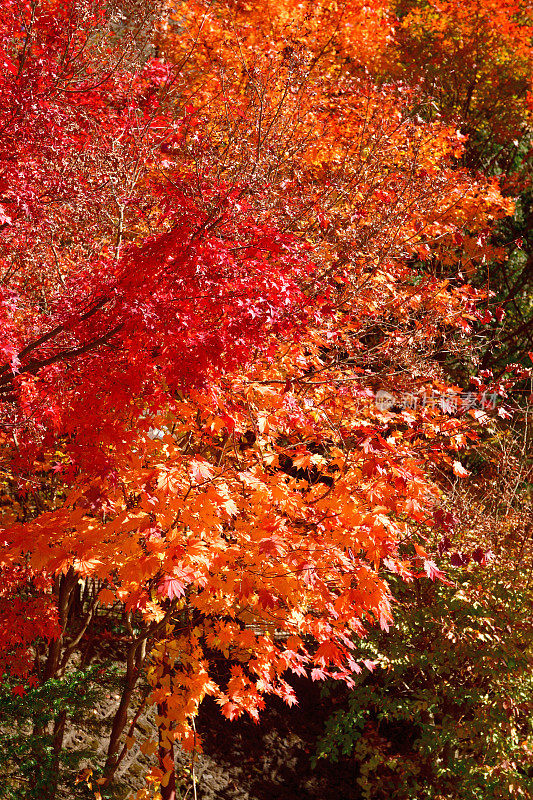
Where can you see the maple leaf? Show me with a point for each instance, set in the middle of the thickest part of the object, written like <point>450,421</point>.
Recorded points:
<point>230,710</point>
<point>267,599</point>
<point>384,622</point>
<point>230,507</point>
<point>421,553</point>
<point>329,653</point>
<point>302,461</point>
<point>434,573</point>
<point>459,559</point>
<point>171,586</point>
<point>148,747</point>
<point>86,566</point>
<point>201,471</point>
<point>273,546</point>
<point>106,596</point>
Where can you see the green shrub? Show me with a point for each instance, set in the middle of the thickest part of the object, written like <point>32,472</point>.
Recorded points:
<point>447,712</point>
<point>30,766</point>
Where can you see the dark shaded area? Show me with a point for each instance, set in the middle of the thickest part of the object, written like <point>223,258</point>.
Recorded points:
<point>272,760</point>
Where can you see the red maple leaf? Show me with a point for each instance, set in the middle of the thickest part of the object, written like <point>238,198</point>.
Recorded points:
<point>171,586</point>
<point>433,572</point>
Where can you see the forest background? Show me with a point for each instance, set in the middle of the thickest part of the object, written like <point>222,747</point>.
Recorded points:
<point>265,413</point>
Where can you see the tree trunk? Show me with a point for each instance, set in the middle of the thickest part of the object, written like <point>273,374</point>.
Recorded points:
<point>166,748</point>
<point>135,659</point>
<point>166,763</point>
<point>57,745</point>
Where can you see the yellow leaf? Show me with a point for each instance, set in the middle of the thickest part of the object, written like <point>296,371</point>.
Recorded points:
<point>148,747</point>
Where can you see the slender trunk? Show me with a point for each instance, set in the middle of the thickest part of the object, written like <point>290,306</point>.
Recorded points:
<point>166,763</point>
<point>119,723</point>
<point>57,745</point>
<point>165,751</point>
<point>64,586</point>
<point>135,658</point>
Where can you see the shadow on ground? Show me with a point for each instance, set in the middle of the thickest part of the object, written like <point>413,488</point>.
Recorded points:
<point>271,760</point>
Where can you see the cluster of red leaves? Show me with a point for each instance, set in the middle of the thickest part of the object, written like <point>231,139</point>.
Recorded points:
<point>27,612</point>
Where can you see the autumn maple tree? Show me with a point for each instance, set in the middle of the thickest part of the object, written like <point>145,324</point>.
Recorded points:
<point>474,60</point>
<point>216,230</point>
